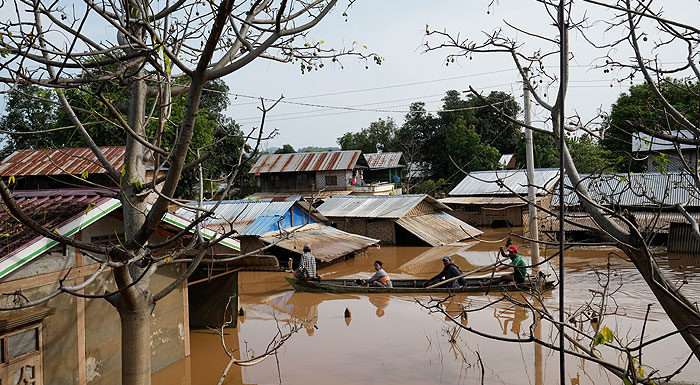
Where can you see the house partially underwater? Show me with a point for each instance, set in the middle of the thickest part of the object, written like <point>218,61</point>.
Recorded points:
<point>68,339</point>
<point>398,219</point>
<point>281,228</point>
<point>309,174</point>
<point>648,200</point>
<point>499,198</point>
<point>72,339</point>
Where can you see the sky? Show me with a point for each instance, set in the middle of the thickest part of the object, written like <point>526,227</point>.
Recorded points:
<point>396,31</point>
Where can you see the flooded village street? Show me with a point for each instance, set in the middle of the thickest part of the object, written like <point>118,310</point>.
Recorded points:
<point>302,192</point>
<point>393,340</point>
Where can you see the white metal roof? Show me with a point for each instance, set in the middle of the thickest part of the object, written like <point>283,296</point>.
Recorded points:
<point>514,182</point>
<point>642,142</point>
<point>650,189</point>
<point>367,206</point>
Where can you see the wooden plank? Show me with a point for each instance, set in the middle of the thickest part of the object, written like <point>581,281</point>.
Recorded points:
<point>80,325</point>
<point>234,303</point>
<point>47,278</point>
<point>186,317</point>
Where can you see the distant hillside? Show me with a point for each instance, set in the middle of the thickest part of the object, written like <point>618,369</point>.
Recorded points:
<point>317,149</point>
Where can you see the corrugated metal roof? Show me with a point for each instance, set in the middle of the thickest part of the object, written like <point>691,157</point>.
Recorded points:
<point>49,208</point>
<point>646,221</point>
<point>249,217</point>
<point>307,161</point>
<point>642,142</point>
<point>638,189</point>
<point>62,161</point>
<point>382,160</point>
<point>514,181</point>
<point>489,200</point>
<point>367,206</point>
<point>327,243</point>
<point>438,229</point>
<point>66,212</point>
<point>418,170</point>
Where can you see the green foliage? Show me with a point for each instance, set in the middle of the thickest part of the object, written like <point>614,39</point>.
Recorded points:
<point>30,108</point>
<point>491,127</point>
<point>465,136</point>
<point>604,336</point>
<point>317,149</point>
<point>640,107</point>
<point>286,149</point>
<point>381,132</point>
<point>431,187</point>
<point>588,154</point>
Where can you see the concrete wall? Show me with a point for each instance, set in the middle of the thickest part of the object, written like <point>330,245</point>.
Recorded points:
<point>343,178</point>
<point>103,337</point>
<point>478,215</point>
<point>382,229</point>
<point>73,354</point>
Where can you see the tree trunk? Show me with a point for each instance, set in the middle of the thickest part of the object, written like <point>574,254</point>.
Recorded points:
<point>134,301</point>
<point>136,344</point>
<point>681,312</point>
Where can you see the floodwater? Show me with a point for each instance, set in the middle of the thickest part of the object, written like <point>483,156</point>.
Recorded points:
<point>394,340</point>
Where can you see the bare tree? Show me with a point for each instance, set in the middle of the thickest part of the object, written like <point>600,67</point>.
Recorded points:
<point>612,223</point>
<point>157,50</point>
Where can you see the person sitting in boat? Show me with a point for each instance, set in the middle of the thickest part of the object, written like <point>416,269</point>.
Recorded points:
<point>519,274</point>
<point>380,277</point>
<point>307,265</point>
<point>450,270</point>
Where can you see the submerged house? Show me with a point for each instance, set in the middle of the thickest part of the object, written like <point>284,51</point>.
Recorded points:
<point>398,219</point>
<point>647,199</point>
<point>661,154</point>
<point>307,173</point>
<point>284,226</point>
<point>499,197</point>
<point>383,175</point>
<point>73,340</point>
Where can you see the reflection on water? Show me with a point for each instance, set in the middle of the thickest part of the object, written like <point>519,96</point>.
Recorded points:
<point>392,340</point>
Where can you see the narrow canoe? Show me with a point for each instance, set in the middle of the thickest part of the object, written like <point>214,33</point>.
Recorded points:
<point>407,286</point>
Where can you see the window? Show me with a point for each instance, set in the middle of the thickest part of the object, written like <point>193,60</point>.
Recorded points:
<point>24,342</point>
<point>331,180</point>
<point>21,351</point>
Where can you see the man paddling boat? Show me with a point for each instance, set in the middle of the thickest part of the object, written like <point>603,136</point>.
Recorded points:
<point>450,270</point>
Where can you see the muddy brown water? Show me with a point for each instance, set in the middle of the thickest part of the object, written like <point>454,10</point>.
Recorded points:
<point>393,340</point>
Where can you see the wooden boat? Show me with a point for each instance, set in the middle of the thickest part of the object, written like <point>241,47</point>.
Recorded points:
<point>408,286</point>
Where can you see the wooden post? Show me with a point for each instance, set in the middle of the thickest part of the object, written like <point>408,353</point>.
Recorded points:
<point>80,324</point>
<point>186,316</point>
<point>234,302</point>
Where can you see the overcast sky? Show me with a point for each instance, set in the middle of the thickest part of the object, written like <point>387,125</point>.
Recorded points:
<point>396,31</point>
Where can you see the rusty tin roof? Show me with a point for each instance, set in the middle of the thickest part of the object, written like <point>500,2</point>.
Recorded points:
<point>62,161</point>
<point>308,162</point>
<point>383,160</point>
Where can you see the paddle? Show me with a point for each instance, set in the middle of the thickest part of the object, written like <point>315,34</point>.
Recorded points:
<point>462,275</point>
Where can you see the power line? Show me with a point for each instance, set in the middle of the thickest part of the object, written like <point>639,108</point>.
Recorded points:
<point>356,108</point>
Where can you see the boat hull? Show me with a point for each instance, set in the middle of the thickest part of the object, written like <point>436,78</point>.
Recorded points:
<point>407,286</point>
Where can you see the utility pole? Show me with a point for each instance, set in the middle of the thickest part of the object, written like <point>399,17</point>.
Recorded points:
<point>533,227</point>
